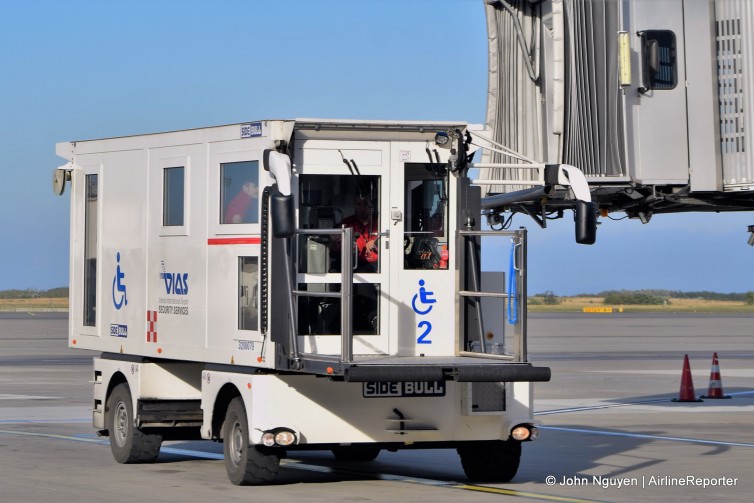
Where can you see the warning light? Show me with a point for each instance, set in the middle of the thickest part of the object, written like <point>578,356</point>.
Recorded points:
<point>159,350</point>
<point>248,385</point>
<point>603,212</point>
<point>329,370</point>
<point>260,359</point>
<point>73,342</point>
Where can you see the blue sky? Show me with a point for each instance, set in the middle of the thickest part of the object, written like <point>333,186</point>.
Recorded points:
<point>79,69</point>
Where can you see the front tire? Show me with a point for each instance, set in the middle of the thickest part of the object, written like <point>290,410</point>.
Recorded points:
<point>494,461</point>
<point>128,443</point>
<point>246,464</point>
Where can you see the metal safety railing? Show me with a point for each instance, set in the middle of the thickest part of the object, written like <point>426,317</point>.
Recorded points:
<point>345,295</point>
<point>514,296</point>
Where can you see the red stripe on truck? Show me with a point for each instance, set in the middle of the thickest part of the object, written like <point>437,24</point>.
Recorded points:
<point>234,241</point>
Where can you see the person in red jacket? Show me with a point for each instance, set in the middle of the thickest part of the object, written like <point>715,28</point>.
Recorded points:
<point>239,209</point>
<point>364,223</point>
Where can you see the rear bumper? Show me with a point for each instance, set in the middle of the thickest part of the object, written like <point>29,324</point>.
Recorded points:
<point>489,372</point>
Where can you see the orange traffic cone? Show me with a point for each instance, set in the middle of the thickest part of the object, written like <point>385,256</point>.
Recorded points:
<point>686,394</point>
<point>715,389</point>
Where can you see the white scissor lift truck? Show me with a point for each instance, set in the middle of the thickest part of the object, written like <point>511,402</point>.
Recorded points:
<point>297,285</point>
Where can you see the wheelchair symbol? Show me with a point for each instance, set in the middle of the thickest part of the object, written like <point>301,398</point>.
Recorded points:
<point>424,297</point>
<point>119,286</point>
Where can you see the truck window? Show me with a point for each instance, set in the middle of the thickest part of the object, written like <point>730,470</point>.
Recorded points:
<point>90,251</point>
<point>321,316</point>
<point>239,192</point>
<point>172,196</point>
<point>425,240</point>
<point>248,281</point>
<point>329,202</point>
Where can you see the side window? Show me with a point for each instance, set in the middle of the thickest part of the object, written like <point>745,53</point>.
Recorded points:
<point>239,192</point>
<point>426,196</point>
<point>248,281</point>
<point>90,251</point>
<point>659,66</point>
<point>173,196</point>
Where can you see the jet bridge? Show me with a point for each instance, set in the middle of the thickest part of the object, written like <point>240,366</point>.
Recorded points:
<point>648,99</point>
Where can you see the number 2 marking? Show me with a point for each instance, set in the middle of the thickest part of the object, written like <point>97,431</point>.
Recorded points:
<point>427,329</point>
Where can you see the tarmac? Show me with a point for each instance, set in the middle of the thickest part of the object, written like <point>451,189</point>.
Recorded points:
<point>609,430</point>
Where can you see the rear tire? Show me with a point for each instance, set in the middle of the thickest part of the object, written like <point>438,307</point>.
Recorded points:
<point>495,461</point>
<point>128,443</point>
<point>355,454</point>
<point>246,464</point>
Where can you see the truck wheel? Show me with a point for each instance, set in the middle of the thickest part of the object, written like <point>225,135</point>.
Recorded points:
<point>355,454</point>
<point>128,443</point>
<point>246,464</point>
<point>495,461</point>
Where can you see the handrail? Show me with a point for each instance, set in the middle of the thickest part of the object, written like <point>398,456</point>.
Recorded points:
<point>346,298</point>
<point>346,290</point>
<point>517,289</point>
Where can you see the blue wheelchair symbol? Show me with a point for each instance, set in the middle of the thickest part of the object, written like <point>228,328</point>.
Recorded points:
<point>424,297</point>
<point>119,286</point>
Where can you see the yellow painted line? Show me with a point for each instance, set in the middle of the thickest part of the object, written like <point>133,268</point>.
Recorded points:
<point>292,463</point>
<point>521,494</point>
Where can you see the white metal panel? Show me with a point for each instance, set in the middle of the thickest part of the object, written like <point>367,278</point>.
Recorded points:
<point>735,54</point>
<point>656,120</point>
<point>705,164</point>
<point>175,313</point>
<point>123,207</point>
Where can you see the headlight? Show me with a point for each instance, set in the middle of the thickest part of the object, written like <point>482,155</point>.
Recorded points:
<point>268,439</point>
<point>520,433</point>
<point>278,437</point>
<point>285,437</point>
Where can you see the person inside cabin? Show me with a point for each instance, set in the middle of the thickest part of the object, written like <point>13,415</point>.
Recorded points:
<point>365,226</point>
<point>240,207</point>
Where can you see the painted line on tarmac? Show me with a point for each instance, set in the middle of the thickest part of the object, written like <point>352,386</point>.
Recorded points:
<point>88,440</point>
<point>191,453</point>
<point>298,465</point>
<point>435,483</point>
<point>597,407</point>
<point>45,421</point>
<point>623,404</point>
<point>291,463</point>
<point>522,494</point>
<point>650,437</point>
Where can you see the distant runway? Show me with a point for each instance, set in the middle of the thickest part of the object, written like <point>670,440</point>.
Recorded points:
<point>609,432</point>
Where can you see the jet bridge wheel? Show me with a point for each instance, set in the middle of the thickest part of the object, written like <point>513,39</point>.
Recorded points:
<point>246,464</point>
<point>494,461</point>
<point>355,453</point>
<point>128,443</point>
